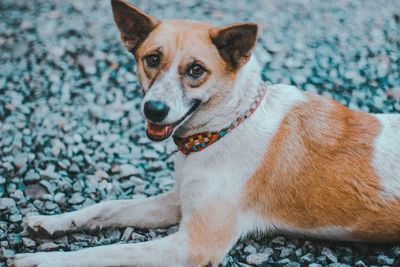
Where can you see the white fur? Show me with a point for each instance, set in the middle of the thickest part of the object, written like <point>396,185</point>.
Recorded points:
<point>252,222</point>
<point>386,158</point>
<point>168,89</point>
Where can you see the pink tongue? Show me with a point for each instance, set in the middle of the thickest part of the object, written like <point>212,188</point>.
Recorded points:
<point>159,130</point>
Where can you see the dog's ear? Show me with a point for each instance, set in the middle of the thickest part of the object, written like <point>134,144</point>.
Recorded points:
<point>235,42</point>
<point>133,24</point>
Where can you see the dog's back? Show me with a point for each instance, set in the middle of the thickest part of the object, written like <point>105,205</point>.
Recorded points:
<point>331,171</point>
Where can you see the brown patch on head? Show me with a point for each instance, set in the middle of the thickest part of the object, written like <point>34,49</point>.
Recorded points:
<point>218,51</point>
<point>133,24</point>
<point>235,42</point>
<point>187,44</point>
<point>211,232</point>
<point>318,173</point>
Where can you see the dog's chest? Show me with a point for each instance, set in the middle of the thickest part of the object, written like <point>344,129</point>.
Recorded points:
<point>225,167</point>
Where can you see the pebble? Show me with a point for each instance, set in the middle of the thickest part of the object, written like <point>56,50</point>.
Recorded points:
<point>76,199</point>
<point>127,234</point>
<point>250,249</point>
<point>385,260</point>
<point>48,246</point>
<point>14,241</point>
<point>308,258</point>
<point>257,258</point>
<point>15,218</point>
<point>329,254</point>
<point>29,243</point>
<point>7,203</point>
<point>6,253</point>
<point>127,170</point>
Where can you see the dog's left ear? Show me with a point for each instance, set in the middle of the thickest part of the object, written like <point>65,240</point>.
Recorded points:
<point>133,24</point>
<point>235,42</point>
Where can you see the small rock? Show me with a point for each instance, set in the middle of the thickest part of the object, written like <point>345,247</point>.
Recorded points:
<point>74,168</point>
<point>6,253</point>
<point>49,172</point>
<point>308,258</point>
<point>329,254</point>
<point>80,237</point>
<point>279,240</point>
<point>29,243</point>
<point>385,260</point>
<point>127,234</point>
<point>48,246</point>
<point>7,203</point>
<point>14,241</point>
<point>76,199</point>
<point>249,249</point>
<point>138,237</point>
<point>15,218</point>
<point>20,160</point>
<point>285,252</point>
<point>101,174</point>
<point>127,170</point>
<point>282,262</point>
<point>257,258</point>
<point>360,263</point>
<point>35,191</point>
<point>32,176</point>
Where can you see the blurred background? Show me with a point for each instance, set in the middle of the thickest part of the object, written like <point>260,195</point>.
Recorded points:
<point>71,133</point>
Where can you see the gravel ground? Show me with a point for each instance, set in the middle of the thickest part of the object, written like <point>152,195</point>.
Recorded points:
<point>71,134</point>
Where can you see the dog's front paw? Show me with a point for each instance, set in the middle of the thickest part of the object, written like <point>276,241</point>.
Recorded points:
<point>41,259</point>
<point>45,226</point>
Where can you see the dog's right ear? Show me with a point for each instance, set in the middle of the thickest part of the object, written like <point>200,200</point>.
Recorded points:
<point>133,24</point>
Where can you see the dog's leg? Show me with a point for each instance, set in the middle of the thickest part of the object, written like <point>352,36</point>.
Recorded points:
<point>158,211</point>
<point>203,239</point>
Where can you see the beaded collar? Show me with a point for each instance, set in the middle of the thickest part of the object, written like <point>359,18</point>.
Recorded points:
<point>200,141</point>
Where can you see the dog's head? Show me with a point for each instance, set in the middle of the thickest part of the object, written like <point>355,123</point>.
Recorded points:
<point>181,64</point>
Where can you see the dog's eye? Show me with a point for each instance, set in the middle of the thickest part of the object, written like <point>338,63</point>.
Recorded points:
<point>196,71</point>
<point>153,60</point>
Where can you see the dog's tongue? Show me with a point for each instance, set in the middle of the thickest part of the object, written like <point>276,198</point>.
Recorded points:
<point>159,130</point>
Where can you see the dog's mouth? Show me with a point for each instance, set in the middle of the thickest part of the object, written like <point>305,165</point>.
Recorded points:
<point>160,132</point>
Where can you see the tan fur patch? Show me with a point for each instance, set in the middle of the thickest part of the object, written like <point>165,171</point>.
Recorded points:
<point>318,173</point>
<point>211,231</point>
<point>188,39</point>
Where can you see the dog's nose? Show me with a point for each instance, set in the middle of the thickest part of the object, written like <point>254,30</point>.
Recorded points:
<point>155,110</point>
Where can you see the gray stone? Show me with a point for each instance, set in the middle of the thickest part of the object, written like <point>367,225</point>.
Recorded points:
<point>249,249</point>
<point>7,203</point>
<point>80,237</point>
<point>35,191</point>
<point>279,240</point>
<point>385,260</point>
<point>6,253</point>
<point>15,218</point>
<point>127,234</point>
<point>127,170</point>
<point>308,258</point>
<point>329,254</point>
<point>14,241</point>
<point>257,258</point>
<point>29,243</point>
<point>48,246</point>
<point>32,176</point>
<point>76,199</point>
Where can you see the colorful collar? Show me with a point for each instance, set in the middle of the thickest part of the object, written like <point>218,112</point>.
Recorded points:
<point>200,141</point>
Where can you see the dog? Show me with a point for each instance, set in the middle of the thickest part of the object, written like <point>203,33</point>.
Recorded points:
<point>251,157</point>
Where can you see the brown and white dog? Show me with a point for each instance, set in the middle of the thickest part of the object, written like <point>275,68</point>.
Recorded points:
<point>299,164</point>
